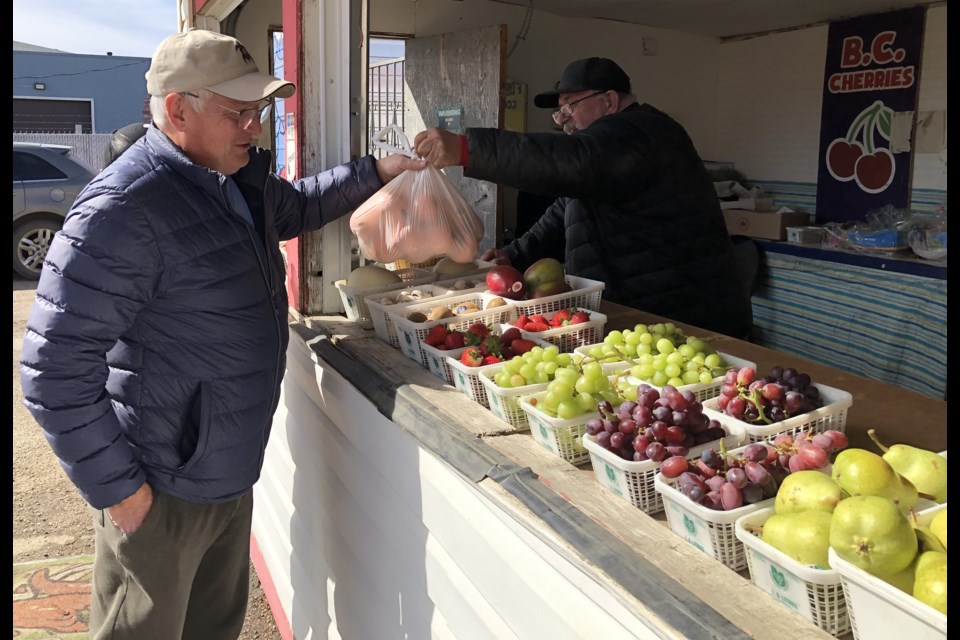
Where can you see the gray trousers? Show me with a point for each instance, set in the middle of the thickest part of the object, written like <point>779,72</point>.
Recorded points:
<point>183,575</point>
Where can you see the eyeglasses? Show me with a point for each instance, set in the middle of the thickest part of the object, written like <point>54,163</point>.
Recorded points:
<point>566,111</point>
<point>245,117</point>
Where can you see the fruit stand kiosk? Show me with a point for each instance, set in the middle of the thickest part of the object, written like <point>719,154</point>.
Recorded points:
<point>407,507</point>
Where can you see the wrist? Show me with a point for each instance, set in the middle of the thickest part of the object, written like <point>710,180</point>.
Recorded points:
<point>464,151</point>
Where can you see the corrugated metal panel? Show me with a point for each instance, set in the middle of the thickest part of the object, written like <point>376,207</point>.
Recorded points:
<point>367,535</point>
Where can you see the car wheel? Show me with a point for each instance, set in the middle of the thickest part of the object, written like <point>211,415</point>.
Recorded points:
<point>31,241</point>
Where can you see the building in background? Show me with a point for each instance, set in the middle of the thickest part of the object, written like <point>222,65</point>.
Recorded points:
<point>60,92</point>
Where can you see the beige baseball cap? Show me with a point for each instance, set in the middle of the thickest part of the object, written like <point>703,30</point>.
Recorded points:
<point>201,59</point>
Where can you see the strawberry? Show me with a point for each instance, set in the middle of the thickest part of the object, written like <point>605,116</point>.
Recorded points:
<point>534,327</point>
<point>480,329</point>
<point>520,346</point>
<point>471,357</point>
<point>436,335</point>
<point>491,359</point>
<point>579,317</point>
<point>509,335</point>
<point>560,318</point>
<point>490,346</point>
<point>538,318</point>
<point>522,321</point>
<point>454,340</point>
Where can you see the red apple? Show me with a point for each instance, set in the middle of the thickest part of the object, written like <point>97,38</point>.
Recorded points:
<point>507,282</point>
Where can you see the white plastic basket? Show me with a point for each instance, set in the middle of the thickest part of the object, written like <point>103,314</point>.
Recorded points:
<point>707,529</point>
<point>708,390</point>
<point>505,402</point>
<point>410,334</point>
<point>832,415</point>
<point>633,481</point>
<point>572,336</point>
<point>880,610</point>
<point>584,293</point>
<point>467,379</point>
<point>379,311</point>
<point>562,437</point>
<point>437,360</point>
<point>816,594</point>
<point>353,298</point>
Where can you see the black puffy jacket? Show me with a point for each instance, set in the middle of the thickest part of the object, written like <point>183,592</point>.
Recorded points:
<point>636,209</point>
<point>156,345</point>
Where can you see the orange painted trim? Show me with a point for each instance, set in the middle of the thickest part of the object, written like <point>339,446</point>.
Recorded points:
<point>270,590</point>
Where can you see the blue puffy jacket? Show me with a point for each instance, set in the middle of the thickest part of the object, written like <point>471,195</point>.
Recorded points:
<point>156,345</point>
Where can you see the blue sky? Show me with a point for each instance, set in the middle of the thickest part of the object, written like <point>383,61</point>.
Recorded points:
<point>123,27</point>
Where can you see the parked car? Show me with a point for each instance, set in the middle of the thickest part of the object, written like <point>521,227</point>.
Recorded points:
<point>46,181</point>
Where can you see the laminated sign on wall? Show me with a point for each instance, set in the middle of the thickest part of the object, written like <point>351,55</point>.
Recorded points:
<point>869,101</point>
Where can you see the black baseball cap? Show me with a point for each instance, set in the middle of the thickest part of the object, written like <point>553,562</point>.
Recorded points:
<point>599,74</point>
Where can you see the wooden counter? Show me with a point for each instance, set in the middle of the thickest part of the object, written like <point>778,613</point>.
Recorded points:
<point>665,583</point>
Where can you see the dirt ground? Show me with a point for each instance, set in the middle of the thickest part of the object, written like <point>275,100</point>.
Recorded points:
<point>50,519</point>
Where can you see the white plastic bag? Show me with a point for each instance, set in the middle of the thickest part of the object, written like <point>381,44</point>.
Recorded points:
<point>416,216</point>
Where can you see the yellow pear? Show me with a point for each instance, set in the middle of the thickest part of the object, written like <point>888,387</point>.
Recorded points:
<point>938,526</point>
<point>864,473</point>
<point>930,580</point>
<point>927,470</point>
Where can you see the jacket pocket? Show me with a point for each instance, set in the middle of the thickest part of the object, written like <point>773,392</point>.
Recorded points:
<point>196,431</point>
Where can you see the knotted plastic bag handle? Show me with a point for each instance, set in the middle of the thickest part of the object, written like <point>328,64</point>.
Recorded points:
<point>380,142</point>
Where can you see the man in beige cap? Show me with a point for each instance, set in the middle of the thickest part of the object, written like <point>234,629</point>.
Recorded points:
<point>156,347</point>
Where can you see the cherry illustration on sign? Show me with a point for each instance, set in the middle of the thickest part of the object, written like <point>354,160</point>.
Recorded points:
<point>856,157</point>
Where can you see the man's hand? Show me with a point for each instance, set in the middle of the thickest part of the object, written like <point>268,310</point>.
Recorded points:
<point>496,256</point>
<point>389,167</point>
<point>130,513</point>
<point>439,147</point>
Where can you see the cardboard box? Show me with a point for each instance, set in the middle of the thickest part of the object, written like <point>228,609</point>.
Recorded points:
<point>767,226</point>
<point>750,204</point>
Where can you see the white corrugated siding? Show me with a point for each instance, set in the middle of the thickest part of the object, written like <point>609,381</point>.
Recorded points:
<point>366,535</point>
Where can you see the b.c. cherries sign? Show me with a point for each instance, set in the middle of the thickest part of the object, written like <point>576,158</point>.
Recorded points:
<point>872,74</point>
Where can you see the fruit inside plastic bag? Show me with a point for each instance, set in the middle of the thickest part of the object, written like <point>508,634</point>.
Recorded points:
<point>416,216</point>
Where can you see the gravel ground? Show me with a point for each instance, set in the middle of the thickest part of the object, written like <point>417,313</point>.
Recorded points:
<point>50,519</point>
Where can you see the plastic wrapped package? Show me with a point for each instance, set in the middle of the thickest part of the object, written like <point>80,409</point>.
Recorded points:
<point>416,216</point>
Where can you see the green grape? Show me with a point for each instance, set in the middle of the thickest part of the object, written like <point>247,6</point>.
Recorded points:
<point>646,338</point>
<point>585,385</point>
<point>676,382</point>
<point>670,328</point>
<point>706,377</point>
<point>686,351</point>
<point>664,345</point>
<point>567,375</point>
<point>691,377</point>
<point>568,409</point>
<point>631,337</point>
<point>659,363</point>
<point>672,371</point>
<point>611,396</point>
<point>629,350</point>
<point>564,359</point>
<point>659,379</point>
<point>502,378</point>
<point>675,358</point>
<point>659,328</point>
<point>592,370</point>
<point>614,337</point>
<point>596,351</point>
<point>646,358</point>
<point>641,329</point>
<point>550,354</point>
<point>691,365</point>
<point>560,389</point>
<point>540,377</point>
<point>713,360</point>
<point>548,402</point>
<point>550,368</point>
<point>643,371</point>
<point>528,371</point>
<point>585,401</point>
<point>644,349</point>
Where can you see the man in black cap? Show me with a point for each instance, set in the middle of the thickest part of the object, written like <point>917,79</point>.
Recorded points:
<point>635,206</point>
